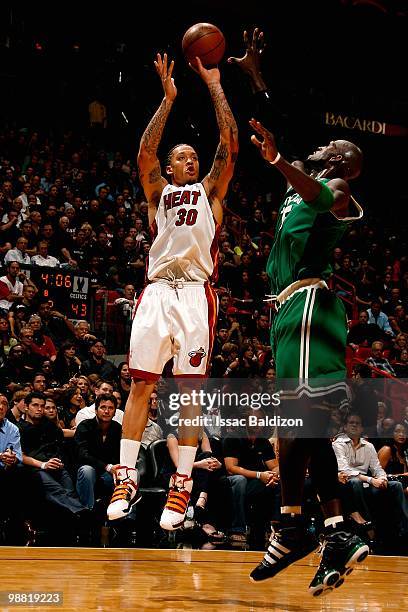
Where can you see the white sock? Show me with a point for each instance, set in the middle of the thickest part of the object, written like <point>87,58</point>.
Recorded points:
<point>186,459</point>
<point>129,450</point>
<point>333,520</point>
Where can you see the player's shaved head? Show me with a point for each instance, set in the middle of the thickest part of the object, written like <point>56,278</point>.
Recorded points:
<point>352,155</point>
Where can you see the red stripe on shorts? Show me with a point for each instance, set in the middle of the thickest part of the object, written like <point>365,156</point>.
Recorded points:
<point>212,319</point>
<point>142,375</point>
<point>214,252</point>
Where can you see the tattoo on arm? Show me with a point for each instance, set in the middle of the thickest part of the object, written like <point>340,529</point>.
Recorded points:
<point>153,133</point>
<point>155,174</point>
<point>220,161</point>
<point>225,118</point>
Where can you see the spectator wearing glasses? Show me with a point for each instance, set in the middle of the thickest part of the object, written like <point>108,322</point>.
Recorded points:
<point>377,360</point>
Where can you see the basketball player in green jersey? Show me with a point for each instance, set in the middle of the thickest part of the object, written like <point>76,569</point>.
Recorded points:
<point>308,339</point>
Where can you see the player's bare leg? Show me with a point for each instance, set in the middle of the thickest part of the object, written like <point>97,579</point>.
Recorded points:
<point>126,492</point>
<point>181,482</point>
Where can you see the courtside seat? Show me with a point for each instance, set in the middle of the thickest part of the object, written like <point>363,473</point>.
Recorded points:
<point>363,352</point>
<point>149,465</point>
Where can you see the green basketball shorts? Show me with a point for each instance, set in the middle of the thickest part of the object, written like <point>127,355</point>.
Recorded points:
<point>309,337</point>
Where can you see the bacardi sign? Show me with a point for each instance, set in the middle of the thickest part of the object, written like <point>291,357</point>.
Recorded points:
<point>372,126</point>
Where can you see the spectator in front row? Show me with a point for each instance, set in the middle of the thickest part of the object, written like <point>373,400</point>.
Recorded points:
<point>98,441</point>
<point>11,486</point>
<point>393,455</point>
<point>364,477</point>
<point>252,469</point>
<point>377,360</point>
<point>42,446</point>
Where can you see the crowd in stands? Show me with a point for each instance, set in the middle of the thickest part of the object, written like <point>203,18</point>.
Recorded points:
<point>65,204</point>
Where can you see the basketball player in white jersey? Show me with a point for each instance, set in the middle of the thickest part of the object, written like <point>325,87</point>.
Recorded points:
<point>175,315</point>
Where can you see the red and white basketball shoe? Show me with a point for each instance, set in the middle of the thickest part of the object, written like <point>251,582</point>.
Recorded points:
<point>176,506</point>
<point>125,494</point>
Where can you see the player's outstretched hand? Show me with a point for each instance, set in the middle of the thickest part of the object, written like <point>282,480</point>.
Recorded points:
<point>165,73</point>
<point>266,146</point>
<point>209,75</point>
<point>250,62</point>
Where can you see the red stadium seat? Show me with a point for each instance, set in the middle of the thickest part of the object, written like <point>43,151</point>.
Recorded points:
<point>363,352</point>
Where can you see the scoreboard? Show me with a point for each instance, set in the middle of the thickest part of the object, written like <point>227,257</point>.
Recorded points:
<point>69,291</point>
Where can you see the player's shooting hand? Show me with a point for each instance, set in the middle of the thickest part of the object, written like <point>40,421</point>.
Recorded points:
<point>266,146</point>
<point>250,62</point>
<point>209,75</point>
<point>164,71</point>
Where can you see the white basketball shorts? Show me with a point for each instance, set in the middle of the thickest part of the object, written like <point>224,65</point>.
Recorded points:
<point>173,322</point>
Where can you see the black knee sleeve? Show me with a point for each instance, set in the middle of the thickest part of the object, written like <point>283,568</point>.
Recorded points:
<point>323,469</point>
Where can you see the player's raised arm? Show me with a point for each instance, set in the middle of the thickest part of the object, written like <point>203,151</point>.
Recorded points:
<point>147,161</point>
<point>333,196</point>
<point>216,182</point>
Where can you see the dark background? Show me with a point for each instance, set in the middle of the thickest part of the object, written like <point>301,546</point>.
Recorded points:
<point>341,56</point>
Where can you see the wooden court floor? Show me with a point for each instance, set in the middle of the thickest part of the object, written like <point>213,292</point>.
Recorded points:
<point>205,581</point>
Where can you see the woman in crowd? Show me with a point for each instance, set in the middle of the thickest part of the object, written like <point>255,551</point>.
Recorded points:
<point>401,365</point>
<point>71,402</point>
<point>6,340</point>
<point>66,364</point>
<point>245,366</point>
<point>51,413</point>
<point>84,385</point>
<point>124,380</point>
<point>393,455</point>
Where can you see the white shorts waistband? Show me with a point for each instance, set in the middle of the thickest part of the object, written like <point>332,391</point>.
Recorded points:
<point>287,294</point>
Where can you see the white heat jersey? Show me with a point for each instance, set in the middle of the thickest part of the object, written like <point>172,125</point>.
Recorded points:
<point>185,236</point>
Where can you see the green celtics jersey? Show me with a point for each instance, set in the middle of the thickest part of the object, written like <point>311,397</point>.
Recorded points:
<point>304,241</point>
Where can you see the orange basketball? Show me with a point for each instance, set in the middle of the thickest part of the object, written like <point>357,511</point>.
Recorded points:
<point>205,41</point>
